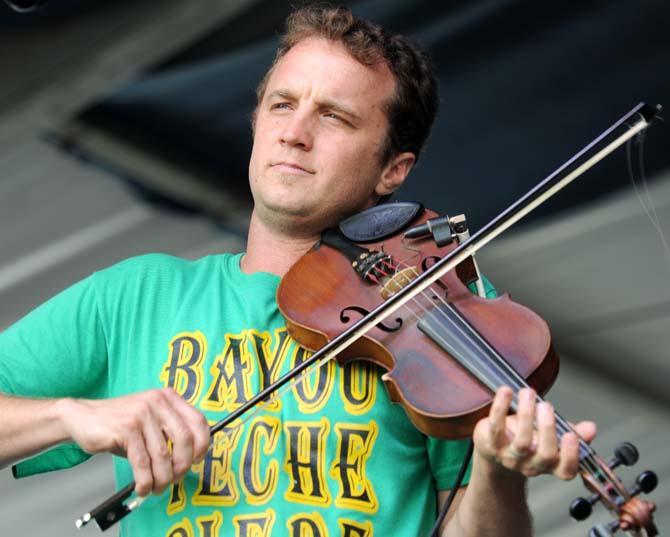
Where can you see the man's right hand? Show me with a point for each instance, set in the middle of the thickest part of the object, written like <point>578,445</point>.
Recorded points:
<point>160,434</point>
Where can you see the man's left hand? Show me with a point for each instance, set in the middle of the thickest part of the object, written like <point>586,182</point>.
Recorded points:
<point>527,442</point>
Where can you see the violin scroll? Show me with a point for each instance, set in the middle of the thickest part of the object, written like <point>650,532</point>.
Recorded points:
<point>632,515</point>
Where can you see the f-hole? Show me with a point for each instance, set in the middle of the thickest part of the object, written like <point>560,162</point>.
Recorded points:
<point>345,318</point>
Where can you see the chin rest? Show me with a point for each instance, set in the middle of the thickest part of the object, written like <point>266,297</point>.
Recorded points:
<point>380,221</point>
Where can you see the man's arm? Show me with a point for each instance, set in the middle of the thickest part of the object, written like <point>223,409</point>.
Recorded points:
<point>28,427</point>
<point>508,449</point>
<point>492,505</point>
<point>140,427</point>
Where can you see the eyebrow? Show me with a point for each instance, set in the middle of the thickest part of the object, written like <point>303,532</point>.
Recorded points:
<point>327,103</point>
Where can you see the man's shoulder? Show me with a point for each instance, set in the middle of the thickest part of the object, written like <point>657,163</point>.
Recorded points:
<point>157,267</point>
<point>164,262</point>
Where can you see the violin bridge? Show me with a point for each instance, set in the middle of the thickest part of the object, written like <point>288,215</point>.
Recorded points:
<point>399,280</point>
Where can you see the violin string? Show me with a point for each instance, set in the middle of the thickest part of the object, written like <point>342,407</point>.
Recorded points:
<point>587,464</point>
<point>513,379</point>
<point>645,200</point>
<point>516,384</point>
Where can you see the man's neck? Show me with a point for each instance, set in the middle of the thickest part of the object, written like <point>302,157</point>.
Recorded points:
<point>271,251</point>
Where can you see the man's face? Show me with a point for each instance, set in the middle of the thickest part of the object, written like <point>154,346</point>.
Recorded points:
<point>319,131</point>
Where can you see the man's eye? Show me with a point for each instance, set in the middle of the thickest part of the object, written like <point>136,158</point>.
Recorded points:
<point>331,115</point>
<point>279,106</point>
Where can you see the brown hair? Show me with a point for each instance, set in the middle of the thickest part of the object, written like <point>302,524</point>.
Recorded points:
<point>413,108</point>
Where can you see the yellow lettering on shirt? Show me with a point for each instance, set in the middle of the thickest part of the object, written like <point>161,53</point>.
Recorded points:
<point>270,359</point>
<point>307,525</point>
<point>351,528</point>
<point>256,525</point>
<point>216,484</point>
<point>358,387</point>
<point>354,447</point>
<point>313,390</point>
<point>258,486</point>
<point>305,461</point>
<point>209,526</point>
<point>231,376</point>
<point>177,500</point>
<point>182,528</point>
<point>182,370</point>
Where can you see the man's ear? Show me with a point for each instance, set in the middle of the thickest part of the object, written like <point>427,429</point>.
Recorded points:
<point>394,173</point>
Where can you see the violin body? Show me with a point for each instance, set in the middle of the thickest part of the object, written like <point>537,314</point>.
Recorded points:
<point>321,296</point>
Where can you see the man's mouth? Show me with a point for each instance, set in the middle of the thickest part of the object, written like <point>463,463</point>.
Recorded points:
<point>291,168</point>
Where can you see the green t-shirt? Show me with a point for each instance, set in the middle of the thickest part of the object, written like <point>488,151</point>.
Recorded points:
<point>333,456</point>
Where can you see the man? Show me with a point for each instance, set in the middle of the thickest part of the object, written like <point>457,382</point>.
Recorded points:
<point>341,118</point>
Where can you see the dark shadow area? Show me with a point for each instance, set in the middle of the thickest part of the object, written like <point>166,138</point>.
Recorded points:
<point>524,85</point>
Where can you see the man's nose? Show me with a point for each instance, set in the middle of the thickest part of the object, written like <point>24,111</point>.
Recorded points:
<point>298,131</point>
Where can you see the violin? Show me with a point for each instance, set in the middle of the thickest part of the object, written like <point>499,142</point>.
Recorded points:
<point>445,352</point>
<point>390,286</point>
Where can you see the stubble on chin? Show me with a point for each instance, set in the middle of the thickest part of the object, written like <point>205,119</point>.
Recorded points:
<point>293,220</point>
<point>297,209</point>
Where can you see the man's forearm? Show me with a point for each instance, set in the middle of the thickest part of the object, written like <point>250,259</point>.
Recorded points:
<point>28,426</point>
<point>494,504</point>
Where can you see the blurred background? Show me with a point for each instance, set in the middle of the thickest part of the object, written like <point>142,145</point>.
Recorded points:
<point>124,129</point>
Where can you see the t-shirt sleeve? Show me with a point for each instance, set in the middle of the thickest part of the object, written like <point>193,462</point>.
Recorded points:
<point>57,350</point>
<point>446,456</point>
<point>489,290</point>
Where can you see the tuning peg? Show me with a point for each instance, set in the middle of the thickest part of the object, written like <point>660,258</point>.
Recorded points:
<point>581,508</point>
<point>645,482</point>
<point>604,530</point>
<point>626,454</point>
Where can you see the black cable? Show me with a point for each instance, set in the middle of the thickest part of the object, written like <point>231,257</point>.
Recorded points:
<point>452,493</point>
